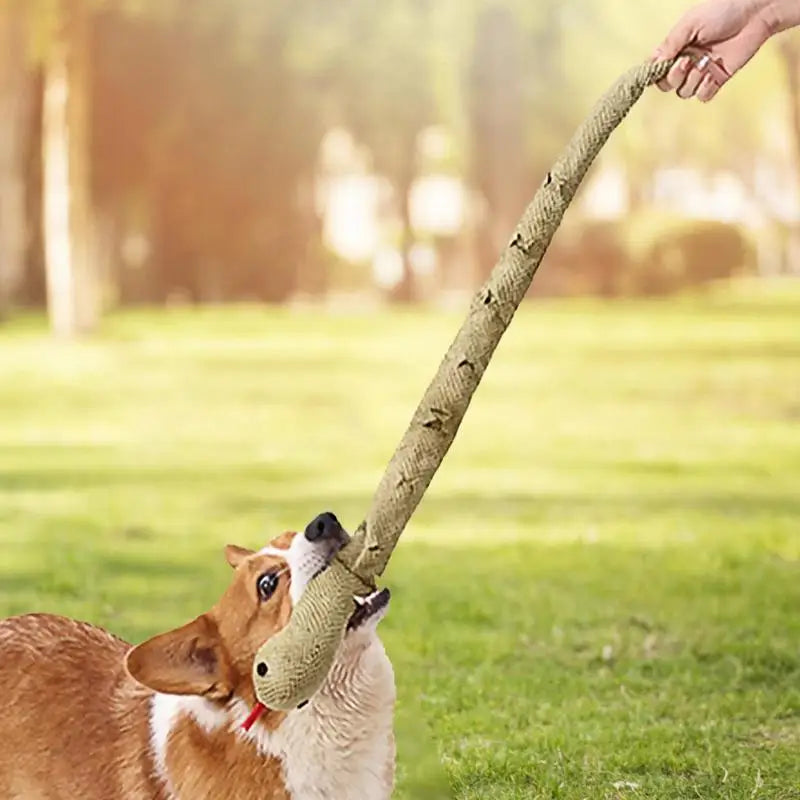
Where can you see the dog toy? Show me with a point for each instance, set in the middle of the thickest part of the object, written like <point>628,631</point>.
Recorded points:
<point>291,666</point>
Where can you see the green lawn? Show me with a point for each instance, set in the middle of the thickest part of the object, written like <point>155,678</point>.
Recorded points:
<point>600,596</point>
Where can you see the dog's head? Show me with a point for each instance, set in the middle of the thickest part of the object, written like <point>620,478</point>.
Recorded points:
<point>212,656</point>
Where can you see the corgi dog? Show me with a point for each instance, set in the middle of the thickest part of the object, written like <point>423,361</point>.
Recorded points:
<point>86,716</point>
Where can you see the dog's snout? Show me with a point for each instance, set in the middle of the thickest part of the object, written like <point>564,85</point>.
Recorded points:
<point>325,527</point>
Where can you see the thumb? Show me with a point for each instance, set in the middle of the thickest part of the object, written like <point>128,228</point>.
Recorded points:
<point>680,36</point>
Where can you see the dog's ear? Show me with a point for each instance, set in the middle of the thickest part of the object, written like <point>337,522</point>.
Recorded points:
<point>188,660</point>
<point>234,554</point>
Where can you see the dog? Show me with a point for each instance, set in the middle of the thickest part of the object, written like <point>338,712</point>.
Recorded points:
<point>87,716</point>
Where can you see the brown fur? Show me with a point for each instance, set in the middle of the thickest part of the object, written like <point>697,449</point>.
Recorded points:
<point>201,767</point>
<point>75,724</point>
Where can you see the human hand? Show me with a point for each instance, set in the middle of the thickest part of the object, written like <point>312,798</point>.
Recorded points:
<point>720,37</point>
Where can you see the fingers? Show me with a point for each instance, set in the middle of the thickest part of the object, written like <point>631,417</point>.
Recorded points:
<point>691,84</point>
<point>701,78</point>
<point>708,89</point>
<point>677,75</point>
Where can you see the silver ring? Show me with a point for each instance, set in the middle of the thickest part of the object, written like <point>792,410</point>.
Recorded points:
<point>703,62</point>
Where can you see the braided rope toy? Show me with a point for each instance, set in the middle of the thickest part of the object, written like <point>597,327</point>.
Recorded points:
<point>291,666</point>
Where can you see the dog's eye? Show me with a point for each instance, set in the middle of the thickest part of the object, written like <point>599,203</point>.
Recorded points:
<point>266,585</point>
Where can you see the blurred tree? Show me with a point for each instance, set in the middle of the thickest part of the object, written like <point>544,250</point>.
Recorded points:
<point>789,53</point>
<point>72,284</point>
<point>202,168</point>
<point>498,79</point>
<point>498,115</point>
<point>789,50</point>
<point>383,72</point>
<point>16,87</point>
<point>210,151</point>
<point>509,77</point>
<point>58,34</point>
<point>205,158</point>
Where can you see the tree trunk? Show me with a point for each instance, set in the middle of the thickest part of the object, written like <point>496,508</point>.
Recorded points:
<point>791,59</point>
<point>497,101</point>
<point>15,88</point>
<point>72,285</point>
<point>790,53</point>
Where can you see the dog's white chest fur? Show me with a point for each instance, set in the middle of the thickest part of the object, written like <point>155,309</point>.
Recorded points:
<point>341,745</point>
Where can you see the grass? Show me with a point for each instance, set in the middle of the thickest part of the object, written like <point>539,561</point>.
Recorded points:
<point>599,597</point>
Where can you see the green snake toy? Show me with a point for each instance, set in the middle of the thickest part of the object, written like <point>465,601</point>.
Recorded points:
<point>291,666</point>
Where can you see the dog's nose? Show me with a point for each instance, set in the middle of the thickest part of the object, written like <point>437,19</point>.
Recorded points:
<point>325,527</point>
